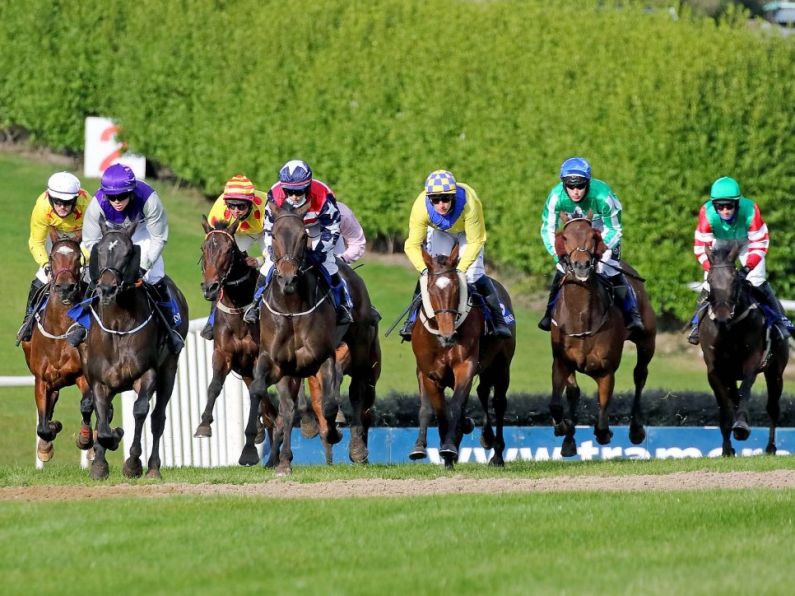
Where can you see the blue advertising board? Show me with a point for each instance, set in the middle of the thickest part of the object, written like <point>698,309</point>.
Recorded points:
<point>538,443</point>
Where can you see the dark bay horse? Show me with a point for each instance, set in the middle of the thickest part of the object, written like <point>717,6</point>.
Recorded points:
<point>298,338</point>
<point>52,361</point>
<point>737,345</point>
<point>229,281</point>
<point>588,334</point>
<point>450,349</point>
<point>126,349</point>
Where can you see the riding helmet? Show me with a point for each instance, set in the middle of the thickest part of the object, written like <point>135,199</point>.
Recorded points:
<point>576,166</point>
<point>117,179</point>
<point>440,182</point>
<point>63,186</point>
<point>295,175</point>
<point>239,188</point>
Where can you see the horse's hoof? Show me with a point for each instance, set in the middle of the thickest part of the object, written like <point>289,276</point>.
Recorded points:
<point>284,470</point>
<point>203,431</point>
<point>603,437</point>
<point>497,462</point>
<point>637,435</point>
<point>741,431</point>
<point>85,438</point>
<point>770,449</point>
<point>340,420</point>
<point>44,451</point>
<point>569,448</point>
<point>418,453</point>
<point>469,425</point>
<point>728,452</point>
<point>449,450</point>
<point>449,463</point>
<point>132,468</point>
<point>309,427</point>
<point>333,436</point>
<point>99,470</point>
<point>154,474</point>
<point>358,453</point>
<point>249,456</point>
<point>90,454</point>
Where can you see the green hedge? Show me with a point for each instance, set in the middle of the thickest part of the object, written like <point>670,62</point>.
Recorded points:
<point>376,93</point>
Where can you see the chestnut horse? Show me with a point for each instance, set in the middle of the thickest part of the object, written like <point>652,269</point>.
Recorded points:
<point>126,349</point>
<point>52,361</point>
<point>229,281</point>
<point>450,349</point>
<point>588,334</point>
<point>737,346</point>
<point>298,337</point>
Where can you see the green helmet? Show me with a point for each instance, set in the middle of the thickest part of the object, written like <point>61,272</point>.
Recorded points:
<point>725,189</point>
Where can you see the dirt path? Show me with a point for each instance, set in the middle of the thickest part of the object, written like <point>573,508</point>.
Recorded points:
<point>286,489</point>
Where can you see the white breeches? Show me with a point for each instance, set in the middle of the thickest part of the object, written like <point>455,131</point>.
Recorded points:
<point>441,243</point>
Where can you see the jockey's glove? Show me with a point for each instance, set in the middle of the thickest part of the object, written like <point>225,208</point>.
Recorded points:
<point>142,272</point>
<point>47,270</point>
<point>743,273</point>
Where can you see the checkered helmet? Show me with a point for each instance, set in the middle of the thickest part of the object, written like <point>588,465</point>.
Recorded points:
<point>440,182</point>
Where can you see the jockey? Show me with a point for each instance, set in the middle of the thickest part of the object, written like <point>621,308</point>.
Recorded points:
<point>576,194</point>
<point>122,199</point>
<point>728,215</point>
<point>447,212</point>
<point>240,201</point>
<point>296,187</point>
<point>61,206</point>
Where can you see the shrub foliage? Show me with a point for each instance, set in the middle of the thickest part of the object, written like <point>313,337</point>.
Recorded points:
<point>376,93</point>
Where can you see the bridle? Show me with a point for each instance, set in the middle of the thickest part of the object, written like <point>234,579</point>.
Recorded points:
<point>731,304</point>
<point>223,280</point>
<point>118,275</point>
<point>288,258</point>
<point>428,312</point>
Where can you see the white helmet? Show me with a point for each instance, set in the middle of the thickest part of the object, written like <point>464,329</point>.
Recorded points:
<point>64,186</point>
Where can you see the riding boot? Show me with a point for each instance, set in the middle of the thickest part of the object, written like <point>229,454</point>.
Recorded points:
<point>487,290</point>
<point>629,302</point>
<point>408,324</point>
<point>764,293</point>
<point>26,330</point>
<point>175,341</point>
<point>207,331</point>
<point>701,305</point>
<point>252,312</point>
<point>81,316</point>
<point>545,324</point>
<point>342,300</point>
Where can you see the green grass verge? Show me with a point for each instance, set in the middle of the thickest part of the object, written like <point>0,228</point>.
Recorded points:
<point>653,543</point>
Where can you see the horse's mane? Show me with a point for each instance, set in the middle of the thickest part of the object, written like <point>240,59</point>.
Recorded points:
<point>722,251</point>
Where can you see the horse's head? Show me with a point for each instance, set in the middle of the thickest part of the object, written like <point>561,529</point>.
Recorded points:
<point>579,246</point>
<point>442,292</point>
<point>724,284</point>
<point>219,255</point>
<point>115,261</point>
<point>66,260</point>
<point>289,246</point>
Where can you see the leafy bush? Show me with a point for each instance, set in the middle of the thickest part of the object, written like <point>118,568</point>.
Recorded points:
<point>376,94</point>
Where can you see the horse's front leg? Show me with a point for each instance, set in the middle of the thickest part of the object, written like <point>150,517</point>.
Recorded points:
<point>775,385</point>
<point>740,428</point>
<point>426,411</point>
<point>106,437</point>
<point>645,347</point>
<point>563,377</point>
<point>258,390</point>
<point>221,367</point>
<point>605,385</point>
<point>725,408</point>
<point>501,382</point>
<point>145,388</point>
<point>327,375</point>
<point>287,388</point>
<point>464,374</point>
<point>434,393</point>
<point>44,429</point>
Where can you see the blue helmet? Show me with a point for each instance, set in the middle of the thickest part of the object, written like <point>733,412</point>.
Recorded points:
<point>295,175</point>
<point>575,166</point>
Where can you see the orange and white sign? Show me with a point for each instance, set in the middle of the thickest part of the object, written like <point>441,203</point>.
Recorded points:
<point>103,150</point>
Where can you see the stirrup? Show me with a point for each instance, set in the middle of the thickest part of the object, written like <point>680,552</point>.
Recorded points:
<point>251,315</point>
<point>693,336</point>
<point>545,324</point>
<point>635,324</point>
<point>501,331</point>
<point>26,330</point>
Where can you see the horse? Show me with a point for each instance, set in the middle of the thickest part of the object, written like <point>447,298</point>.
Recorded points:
<point>52,361</point>
<point>126,349</point>
<point>229,281</point>
<point>588,334</point>
<point>298,339</point>
<point>736,346</point>
<point>450,349</point>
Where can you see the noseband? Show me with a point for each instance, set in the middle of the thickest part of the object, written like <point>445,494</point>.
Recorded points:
<point>428,312</point>
<point>287,258</point>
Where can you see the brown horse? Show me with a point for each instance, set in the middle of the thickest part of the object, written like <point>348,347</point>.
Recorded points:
<point>298,337</point>
<point>737,346</point>
<point>52,361</point>
<point>588,334</point>
<point>450,349</point>
<point>229,281</point>
<point>126,349</point>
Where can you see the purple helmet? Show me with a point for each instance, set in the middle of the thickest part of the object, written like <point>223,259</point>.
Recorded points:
<point>295,175</point>
<point>117,180</point>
